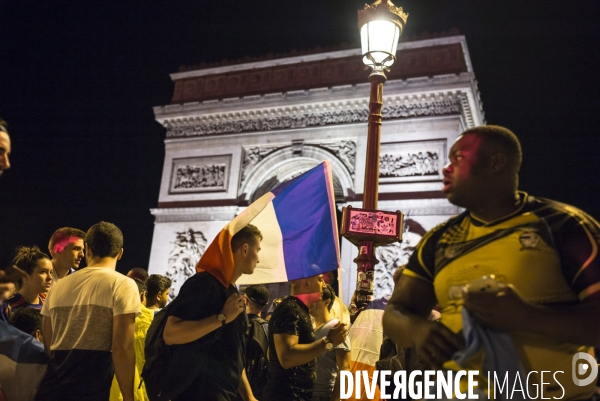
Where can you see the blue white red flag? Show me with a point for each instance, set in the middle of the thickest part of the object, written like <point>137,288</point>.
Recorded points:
<point>22,364</point>
<point>299,227</point>
<point>366,337</point>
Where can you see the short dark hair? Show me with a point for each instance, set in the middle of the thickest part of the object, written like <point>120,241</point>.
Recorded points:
<point>246,235</point>
<point>140,285</point>
<point>28,320</point>
<point>138,272</point>
<point>104,239</point>
<point>329,293</point>
<point>27,257</point>
<point>62,234</point>
<point>502,138</point>
<point>156,283</point>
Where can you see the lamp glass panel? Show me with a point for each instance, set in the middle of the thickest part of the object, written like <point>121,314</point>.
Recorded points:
<point>381,39</point>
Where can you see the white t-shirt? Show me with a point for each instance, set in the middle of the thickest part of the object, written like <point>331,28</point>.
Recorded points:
<point>82,307</point>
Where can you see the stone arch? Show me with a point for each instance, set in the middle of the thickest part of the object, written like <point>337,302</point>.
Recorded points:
<point>283,165</point>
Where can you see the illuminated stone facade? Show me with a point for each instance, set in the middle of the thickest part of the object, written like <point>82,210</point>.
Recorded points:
<point>236,131</point>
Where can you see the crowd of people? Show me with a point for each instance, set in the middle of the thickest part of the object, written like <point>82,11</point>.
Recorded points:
<point>105,335</point>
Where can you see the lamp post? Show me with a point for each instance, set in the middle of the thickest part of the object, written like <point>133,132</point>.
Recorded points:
<point>381,25</point>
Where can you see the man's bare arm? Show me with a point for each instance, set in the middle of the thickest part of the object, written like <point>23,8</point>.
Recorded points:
<point>408,310</point>
<point>47,331</point>
<point>291,354</point>
<point>123,354</point>
<point>406,322</point>
<point>506,310</point>
<point>343,360</point>
<point>244,388</point>
<point>178,331</point>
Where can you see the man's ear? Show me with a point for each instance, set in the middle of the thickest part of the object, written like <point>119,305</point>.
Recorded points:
<point>120,255</point>
<point>245,248</point>
<point>497,162</point>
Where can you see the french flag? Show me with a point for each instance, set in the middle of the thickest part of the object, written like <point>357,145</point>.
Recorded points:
<point>299,227</point>
<point>22,364</point>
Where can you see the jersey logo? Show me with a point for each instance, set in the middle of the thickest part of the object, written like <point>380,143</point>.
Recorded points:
<point>529,240</point>
<point>452,251</point>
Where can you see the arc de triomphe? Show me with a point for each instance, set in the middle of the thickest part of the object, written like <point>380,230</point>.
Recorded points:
<point>237,130</point>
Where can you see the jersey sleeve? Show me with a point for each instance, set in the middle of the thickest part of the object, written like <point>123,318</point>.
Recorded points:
<point>421,263</point>
<point>577,239</point>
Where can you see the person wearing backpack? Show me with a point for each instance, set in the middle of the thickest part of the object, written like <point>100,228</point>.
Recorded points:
<point>206,326</point>
<point>257,341</point>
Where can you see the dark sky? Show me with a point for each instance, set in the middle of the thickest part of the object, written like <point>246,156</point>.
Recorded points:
<point>78,81</point>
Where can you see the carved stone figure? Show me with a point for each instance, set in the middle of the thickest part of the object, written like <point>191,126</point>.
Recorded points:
<point>200,176</point>
<point>252,156</point>
<point>343,150</point>
<point>398,111</point>
<point>409,164</point>
<point>188,247</point>
<point>394,255</point>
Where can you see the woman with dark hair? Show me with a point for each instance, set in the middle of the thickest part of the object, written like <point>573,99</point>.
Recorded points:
<point>34,286</point>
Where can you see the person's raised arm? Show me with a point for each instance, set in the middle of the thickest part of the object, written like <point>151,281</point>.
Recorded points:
<point>406,322</point>
<point>123,354</point>
<point>291,354</point>
<point>179,331</point>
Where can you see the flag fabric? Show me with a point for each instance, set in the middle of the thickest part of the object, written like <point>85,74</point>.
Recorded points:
<point>366,337</point>
<point>22,364</point>
<point>299,227</point>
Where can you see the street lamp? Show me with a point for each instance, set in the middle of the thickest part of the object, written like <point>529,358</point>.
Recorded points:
<point>381,25</point>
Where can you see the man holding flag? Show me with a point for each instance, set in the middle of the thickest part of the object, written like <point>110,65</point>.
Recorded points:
<point>207,321</point>
<point>210,313</point>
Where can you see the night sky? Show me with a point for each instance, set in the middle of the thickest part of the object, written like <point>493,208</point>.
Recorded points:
<point>78,81</point>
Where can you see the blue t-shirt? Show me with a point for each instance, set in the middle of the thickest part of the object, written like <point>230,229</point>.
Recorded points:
<point>18,301</point>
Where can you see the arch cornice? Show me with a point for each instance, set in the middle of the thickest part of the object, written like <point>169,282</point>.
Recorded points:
<point>285,163</point>
<point>303,109</point>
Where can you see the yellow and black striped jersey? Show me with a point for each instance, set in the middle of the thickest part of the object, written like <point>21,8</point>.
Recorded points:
<point>546,249</point>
